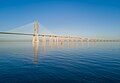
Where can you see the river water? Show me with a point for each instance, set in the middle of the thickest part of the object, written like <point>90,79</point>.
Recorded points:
<point>26,62</point>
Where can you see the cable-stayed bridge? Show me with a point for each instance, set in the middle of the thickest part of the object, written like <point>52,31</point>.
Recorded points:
<point>49,36</point>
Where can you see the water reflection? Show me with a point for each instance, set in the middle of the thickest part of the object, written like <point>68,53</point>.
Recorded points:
<point>65,60</point>
<point>35,47</point>
<point>46,46</point>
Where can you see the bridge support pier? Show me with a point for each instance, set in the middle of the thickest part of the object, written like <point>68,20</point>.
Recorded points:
<point>67,39</point>
<point>50,39</point>
<point>72,39</point>
<point>35,39</point>
<point>43,39</point>
<point>77,39</point>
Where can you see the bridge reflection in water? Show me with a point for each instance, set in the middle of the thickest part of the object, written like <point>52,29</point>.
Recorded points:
<point>46,46</point>
<point>35,47</point>
<point>51,60</point>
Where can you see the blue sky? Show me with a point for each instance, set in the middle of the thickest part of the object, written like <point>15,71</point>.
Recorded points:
<point>85,18</point>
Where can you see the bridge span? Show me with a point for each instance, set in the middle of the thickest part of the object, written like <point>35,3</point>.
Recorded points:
<point>57,38</point>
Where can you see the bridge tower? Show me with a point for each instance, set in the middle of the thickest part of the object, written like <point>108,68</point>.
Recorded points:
<point>35,36</point>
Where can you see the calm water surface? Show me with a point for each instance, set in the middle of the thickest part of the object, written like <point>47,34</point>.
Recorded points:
<point>24,62</point>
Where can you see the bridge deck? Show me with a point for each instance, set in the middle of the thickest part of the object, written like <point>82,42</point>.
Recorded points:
<point>42,35</point>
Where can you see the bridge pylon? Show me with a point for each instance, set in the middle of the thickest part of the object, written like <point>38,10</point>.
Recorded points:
<point>36,35</point>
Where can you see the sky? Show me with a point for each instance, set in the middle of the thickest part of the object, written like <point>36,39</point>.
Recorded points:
<point>84,18</point>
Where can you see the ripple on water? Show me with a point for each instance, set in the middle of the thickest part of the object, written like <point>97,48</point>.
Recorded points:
<point>89,63</point>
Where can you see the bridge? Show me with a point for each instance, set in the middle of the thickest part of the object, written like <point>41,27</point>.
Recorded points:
<point>56,38</point>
